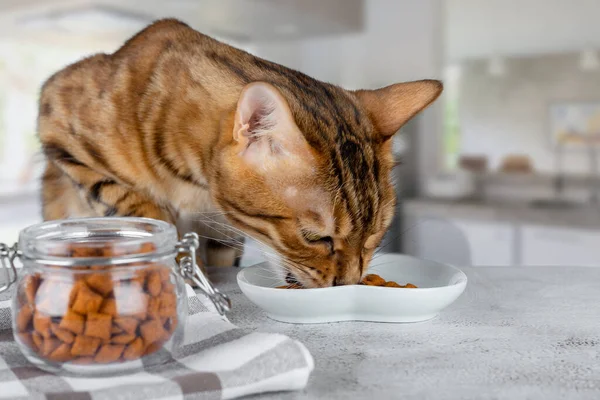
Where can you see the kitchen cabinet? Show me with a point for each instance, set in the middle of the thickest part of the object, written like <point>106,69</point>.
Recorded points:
<point>490,243</point>
<point>554,246</point>
<point>482,234</point>
<point>463,242</point>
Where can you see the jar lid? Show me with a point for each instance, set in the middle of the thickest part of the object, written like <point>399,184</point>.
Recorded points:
<point>128,238</point>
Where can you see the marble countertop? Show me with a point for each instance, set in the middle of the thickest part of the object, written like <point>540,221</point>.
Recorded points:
<point>516,333</point>
<point>584,217</point>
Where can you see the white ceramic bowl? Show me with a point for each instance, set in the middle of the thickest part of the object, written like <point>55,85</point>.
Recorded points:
<point>438,286</point>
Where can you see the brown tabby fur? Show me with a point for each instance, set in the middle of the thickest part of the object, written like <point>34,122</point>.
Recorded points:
<point>150,131</point>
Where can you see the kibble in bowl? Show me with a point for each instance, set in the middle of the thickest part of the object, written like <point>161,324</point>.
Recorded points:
<point>368,280</point>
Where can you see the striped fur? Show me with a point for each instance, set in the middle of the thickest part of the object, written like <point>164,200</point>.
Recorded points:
<point>151,131</point>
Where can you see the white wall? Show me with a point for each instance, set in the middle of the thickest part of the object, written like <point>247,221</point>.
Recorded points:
<point>402,42</point>
<point>481,28</point>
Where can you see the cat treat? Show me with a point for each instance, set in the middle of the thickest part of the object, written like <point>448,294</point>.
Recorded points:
<point>376,280</point>
<point>99,314</point>
<point>368,280</point>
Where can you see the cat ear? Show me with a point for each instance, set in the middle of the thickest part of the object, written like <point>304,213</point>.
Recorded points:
<point>264,127</point>
<point>392,106</point>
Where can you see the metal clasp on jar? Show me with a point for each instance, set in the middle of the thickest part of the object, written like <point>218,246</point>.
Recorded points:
<point>188,268</point>
<point>7,262</point>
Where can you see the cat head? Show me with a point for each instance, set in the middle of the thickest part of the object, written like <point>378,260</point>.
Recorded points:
<point>308,174</point>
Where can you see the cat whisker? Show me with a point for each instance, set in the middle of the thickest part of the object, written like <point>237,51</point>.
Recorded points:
<point>270,277</point>
<point>213,212</point>
<point>232,228</point>
<point>272,257</point>
<point>373,267</point>
<point>240,246</point>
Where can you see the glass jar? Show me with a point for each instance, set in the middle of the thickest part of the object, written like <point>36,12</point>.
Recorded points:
<point>102,296</point>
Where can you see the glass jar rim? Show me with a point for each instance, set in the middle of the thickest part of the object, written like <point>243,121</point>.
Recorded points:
<point>38,243</point>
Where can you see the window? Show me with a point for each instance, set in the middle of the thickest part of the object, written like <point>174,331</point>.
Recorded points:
<point>452,132</point>
<point>24,66</point>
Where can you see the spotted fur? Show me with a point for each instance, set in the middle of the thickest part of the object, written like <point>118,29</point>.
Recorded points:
<point>161,129</point>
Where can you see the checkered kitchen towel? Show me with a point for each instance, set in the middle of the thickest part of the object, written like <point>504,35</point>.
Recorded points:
<point>218,361</point>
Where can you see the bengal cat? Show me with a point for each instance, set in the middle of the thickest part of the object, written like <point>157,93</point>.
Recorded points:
<point>179,127</point>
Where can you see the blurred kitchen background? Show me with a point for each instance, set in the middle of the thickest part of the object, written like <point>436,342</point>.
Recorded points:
<point>503,170</point>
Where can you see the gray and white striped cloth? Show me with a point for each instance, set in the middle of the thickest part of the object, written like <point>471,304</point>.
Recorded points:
<point>218,361</point>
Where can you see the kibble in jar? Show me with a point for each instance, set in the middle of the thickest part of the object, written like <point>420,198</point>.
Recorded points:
<point>99,315</point>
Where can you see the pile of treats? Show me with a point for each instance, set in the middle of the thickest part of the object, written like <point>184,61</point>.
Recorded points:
<point>95,316</point>
<point>369,280</point>
<point>376,280</point>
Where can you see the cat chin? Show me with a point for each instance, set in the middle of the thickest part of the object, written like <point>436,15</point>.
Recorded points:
<point>280,270</point>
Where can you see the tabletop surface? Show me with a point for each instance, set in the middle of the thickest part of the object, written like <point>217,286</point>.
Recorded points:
<point>516,333</point>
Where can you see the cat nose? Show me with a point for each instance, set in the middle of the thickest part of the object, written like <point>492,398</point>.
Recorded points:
<point>347,277</point>
<point>347,271</point>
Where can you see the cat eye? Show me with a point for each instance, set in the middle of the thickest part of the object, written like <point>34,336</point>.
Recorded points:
<point>315,238</point>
